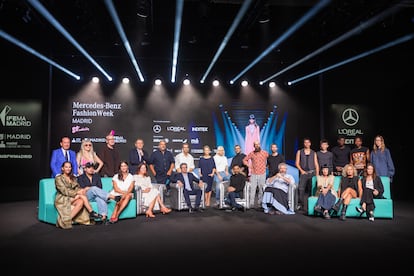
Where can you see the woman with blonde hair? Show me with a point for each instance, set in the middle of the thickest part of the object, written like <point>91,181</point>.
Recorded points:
<point>87,154</point>
<point>381,158</point>
<point>350,187</point>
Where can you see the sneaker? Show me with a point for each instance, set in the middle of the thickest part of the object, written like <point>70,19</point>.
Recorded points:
<point>326,215</point>
<point>371,216</point>
<point>359,209</point>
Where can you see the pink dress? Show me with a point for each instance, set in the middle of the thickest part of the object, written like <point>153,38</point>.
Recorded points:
<point>252,135</point>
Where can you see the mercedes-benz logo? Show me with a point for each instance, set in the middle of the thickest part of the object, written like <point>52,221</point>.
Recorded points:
<point>350,117</point>
<point>156,128</point>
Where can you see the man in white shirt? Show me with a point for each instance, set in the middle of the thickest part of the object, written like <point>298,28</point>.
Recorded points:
<point>184,157</point>
<point>222,170</point>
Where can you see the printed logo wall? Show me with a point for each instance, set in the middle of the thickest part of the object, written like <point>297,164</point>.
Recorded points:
<point>351,121</point>
<point>20,136</point>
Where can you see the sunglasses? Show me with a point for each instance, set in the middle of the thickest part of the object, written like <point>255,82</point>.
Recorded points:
<point>88,145</point>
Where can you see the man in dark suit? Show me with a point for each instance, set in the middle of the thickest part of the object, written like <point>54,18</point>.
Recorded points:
<point>137,155</point>
<point>186,180</point>
<point>62,154</point>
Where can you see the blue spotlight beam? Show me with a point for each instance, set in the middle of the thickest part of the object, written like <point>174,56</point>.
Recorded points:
<point>312,12</point>
<point>177,29</point>
<point>111,8</point>
<point>35,53</point>
<point>42,10</point>
<point>370,52</point>
<point>227,37</point>
<point>343,37</point>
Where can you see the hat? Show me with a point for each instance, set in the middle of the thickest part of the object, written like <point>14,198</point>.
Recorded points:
<point>251,116</point>
<point>89,165</point>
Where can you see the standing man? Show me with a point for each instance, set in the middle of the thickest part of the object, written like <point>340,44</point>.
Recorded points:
<point>257,162</point>
<point>162,164</point>
<point>62,154</point>
<point>340,155</point>
<point>359,155</point>
<point>307,164</point>
<point>184,157</point>
<point>274,159</point>
<point>137,155</point>
<point>238,160</point>
<point>110,157</point>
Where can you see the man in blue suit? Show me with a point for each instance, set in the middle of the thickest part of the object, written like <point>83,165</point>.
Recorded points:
<point>186,180</point>
<point>62,154</point>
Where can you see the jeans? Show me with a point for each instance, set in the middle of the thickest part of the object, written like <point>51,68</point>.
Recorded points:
<point>100,197</point>
<point>217,180</point>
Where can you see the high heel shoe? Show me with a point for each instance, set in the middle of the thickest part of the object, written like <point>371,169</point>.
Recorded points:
<point>360,210</point>
<point>149,214</point>
<point>165,210</point>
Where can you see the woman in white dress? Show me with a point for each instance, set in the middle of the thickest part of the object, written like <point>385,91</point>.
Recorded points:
<point>150,195</point>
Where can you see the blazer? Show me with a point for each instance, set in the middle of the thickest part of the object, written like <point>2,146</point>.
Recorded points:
<point>57,160</point>
<point>134,160</point>
<point>191,177</point>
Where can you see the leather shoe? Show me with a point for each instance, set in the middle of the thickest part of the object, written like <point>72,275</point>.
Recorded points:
<point>200,210</point>
<point>94,215</point>
<point>191,210</point>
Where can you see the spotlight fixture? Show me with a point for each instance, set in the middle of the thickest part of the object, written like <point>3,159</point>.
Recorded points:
<point>216,83</point>
<point>244,83</point>
<point>272,84</point>
<point>95,80</point>
<point>157,82</point>
<point>186,82</point>
<point>125,80</point>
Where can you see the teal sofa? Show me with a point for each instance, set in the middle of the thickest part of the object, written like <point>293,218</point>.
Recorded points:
<point>47,192</point>
<point>383,207</point>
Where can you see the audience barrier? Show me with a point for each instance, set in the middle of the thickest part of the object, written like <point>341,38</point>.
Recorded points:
<point>383,207</point>
<point>47,192</point>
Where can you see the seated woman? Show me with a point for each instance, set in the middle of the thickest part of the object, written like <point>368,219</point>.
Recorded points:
<point>151,196</point>
<point>372,187</point>
<point>71,202</point>
<point>123,185</point>
<point>276,192</point>
<point>349,188</point>
<point>325,192</point>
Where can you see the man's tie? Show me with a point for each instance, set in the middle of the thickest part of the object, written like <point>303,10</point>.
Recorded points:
<point>66,155</point>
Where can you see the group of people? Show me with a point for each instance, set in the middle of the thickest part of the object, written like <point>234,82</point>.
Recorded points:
<point>360,169</point>
<point>78,177</point>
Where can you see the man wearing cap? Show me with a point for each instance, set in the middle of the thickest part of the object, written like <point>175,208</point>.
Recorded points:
<point>92,183</point>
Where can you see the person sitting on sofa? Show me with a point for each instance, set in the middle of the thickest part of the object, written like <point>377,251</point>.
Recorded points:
<point>123,185</point>
<point>276,192</point>
<point>92,183</point>
<point>372,187</point>
<point>350,187</point>
<point>71,202</point>
<point>150,195</point>
<point>325,192</point>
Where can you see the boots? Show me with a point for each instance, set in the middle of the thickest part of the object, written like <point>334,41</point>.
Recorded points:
<point>343,212</point>
<point>337,205</point>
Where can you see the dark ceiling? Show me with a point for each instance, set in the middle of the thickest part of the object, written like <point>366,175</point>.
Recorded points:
<point>149,27</point>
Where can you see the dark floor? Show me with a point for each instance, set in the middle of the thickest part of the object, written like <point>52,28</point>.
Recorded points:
<point>215,241</point>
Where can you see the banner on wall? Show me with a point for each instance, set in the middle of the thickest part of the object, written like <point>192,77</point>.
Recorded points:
<point>20,126</point>
<point>351,121</point>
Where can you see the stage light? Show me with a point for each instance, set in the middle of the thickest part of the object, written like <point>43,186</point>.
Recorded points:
<point>95,80</point>
<point>186,82</point>
<point>123,36</point>
<point>157,82</point>
<point>357,30</point>
<point>34,52</point>
<point>227,37</point>
<point>272,84</point>
<point>177,29</point>
<point>289,32</point>
<point>216,83</point>
<point>244,83</point>
<point>385,46</point>
<point>42,10</point>
<point>125,80</point>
